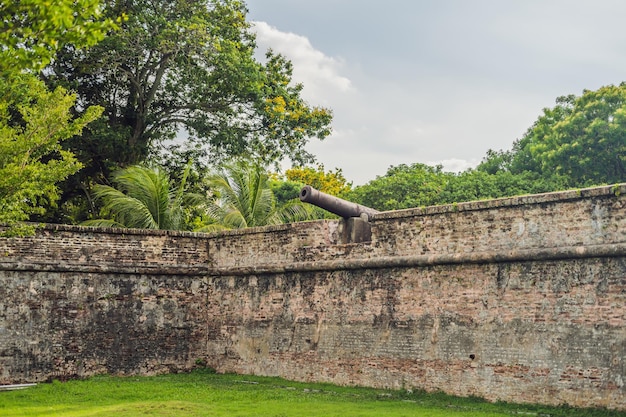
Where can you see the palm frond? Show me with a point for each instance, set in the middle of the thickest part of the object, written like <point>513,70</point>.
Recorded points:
<point>144,198</point>
<point>149,186</point>
<point>126,210</point>
<point>245,199</point>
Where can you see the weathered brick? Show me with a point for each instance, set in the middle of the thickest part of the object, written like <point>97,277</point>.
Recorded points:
<point>520,299</point>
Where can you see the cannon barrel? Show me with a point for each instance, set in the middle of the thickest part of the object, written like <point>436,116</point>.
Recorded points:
<point>335,205</point>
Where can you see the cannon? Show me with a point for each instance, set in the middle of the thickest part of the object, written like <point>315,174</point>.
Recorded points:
<point>335,205</point>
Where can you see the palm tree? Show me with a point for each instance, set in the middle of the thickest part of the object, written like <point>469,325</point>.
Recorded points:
<point>243,198</point>
<point>143,198</point>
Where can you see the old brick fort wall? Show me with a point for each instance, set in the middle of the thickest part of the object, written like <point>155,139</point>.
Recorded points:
<point>517,299</point>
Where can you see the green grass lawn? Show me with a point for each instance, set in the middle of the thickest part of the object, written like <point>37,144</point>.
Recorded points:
<point>203,393</point>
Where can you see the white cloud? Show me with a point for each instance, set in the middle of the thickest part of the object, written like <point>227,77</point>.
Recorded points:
<point>319,73</point>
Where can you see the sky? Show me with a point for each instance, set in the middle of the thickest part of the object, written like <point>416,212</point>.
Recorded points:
<point>438,81</point>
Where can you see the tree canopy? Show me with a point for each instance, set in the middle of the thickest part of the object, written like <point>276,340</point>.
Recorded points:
<point>32,31</point>
<point>32,161</point>
<point>186,70</point>
<point>582,139</point>
<point>35,121</point>
<point>579,142</point>
<point>329,182</point>
<point>403,186</point>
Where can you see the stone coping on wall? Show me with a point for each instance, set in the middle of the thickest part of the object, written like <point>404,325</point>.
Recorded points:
<point>529,199</point>
<point>52,227</point>
<point>116,230</point>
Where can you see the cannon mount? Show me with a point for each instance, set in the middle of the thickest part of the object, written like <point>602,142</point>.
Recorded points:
<point>355,226</point>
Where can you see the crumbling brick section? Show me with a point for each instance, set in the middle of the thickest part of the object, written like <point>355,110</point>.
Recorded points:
<point>519,299</point>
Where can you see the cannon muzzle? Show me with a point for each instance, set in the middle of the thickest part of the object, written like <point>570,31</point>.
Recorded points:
<point>335,205</point>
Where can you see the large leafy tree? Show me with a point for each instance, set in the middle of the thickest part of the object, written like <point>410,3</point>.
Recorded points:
<point>581,141</point>
<point>187,69</point>
<point>33,120</point>
<point>32,161</point>
<point>583,138</point>
<point>403,186</point>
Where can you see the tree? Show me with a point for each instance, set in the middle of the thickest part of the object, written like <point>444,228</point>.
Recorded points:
<point>329,182</point>
<point>579,142</point>
<point>475,184</point>
<point>495,161</point>
<point>187,68</point>
<point>243,198</point>
<point>34,121</point>
<point>284,190</point>
<point>403,186</point>
<point>583,138</point>
<point>31,159</point>
<point>420,185</point>
<point>144,199</point>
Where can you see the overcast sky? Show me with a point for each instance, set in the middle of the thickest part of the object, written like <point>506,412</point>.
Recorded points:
<point>438,81</point>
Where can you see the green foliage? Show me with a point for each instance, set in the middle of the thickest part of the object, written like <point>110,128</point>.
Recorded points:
<point>285,119</point>
<point>243,198</point>
<point>329,182</point>
<point>583,138</point>
<point>403,186</point>
<point>495,161</point>
<point>34,121</point>
<point>475,184</point>
<point>33,124</point>
<point>285,190</point>
<point>421,185</point>
<point>186,67</point>
<point>143,199</point>
<point>33,30</point>
<point>579,142</point>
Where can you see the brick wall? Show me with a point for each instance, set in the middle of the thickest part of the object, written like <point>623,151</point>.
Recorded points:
<point>520,299</point>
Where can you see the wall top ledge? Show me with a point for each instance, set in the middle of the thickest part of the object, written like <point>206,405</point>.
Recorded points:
<point>50,227</point>
<point>531,199</point>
